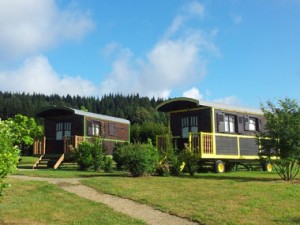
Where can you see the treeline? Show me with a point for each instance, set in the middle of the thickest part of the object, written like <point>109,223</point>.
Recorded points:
<point>133,107</point>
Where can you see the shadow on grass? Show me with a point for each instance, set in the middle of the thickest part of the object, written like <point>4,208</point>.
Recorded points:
<point>103,175</point>
<point>295,220</point>
<point>232,176</point>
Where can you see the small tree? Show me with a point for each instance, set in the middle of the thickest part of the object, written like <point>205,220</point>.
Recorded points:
<point>9,153</point>
<point>280,143</point>
<point>23,130</point>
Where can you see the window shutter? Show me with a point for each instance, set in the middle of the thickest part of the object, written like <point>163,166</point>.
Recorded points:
<point>240,124</point>
<point>246,121</point>
<point>221,122</point>
<point>89,128</point>
<point>259,124</point>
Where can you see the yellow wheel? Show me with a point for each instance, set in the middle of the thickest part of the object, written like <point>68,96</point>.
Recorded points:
<point>219,166</point>
<point>267,166</point>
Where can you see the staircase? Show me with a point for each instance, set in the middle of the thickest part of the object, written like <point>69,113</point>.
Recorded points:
<point>49,161</point>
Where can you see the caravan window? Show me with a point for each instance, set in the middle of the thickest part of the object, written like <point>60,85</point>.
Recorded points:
<point>189,124</point>
<point>63,129</point>
<point>252,124</point>
<point>230,123</point>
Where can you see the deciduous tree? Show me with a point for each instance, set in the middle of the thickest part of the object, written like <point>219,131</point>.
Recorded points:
<point>280,143</point>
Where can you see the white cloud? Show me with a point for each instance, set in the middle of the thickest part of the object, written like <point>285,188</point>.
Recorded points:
<point>37,75</point>
<point>194,8</point>
<point>33,25</point>
<point>174,62</point>
<point>193,93</point>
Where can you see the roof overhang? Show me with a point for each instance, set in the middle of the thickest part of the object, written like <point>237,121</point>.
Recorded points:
<point>55,111</point>
<point>177,104</point>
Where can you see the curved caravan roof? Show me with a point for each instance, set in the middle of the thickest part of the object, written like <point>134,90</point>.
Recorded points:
<point>177,104</point>
<point>64,111</point>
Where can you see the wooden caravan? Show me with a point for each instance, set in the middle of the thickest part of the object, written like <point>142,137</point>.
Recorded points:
<point>218,133</point>
<point>65,128</point>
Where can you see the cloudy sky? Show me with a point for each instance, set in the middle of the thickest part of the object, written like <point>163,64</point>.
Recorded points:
<point>235,52</point>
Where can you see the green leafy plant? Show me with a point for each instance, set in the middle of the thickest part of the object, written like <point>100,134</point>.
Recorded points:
<point>9,153</point>
<point>83,155</point>
<point>90,155</point>
<point>119,154</point>
<point>190,161</point>
<point>280,143</point>
<point>23,130</point>
<point>97,154</point>
<point>139,159</point>
<point>108,163</point>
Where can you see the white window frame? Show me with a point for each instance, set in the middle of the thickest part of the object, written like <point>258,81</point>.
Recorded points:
<point>252,124</point>
<point>230,123</point>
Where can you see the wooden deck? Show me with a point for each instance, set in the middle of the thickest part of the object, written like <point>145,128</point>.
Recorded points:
<point>70,143</point>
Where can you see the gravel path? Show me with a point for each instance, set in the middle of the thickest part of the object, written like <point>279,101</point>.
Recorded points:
<point>126,206</point>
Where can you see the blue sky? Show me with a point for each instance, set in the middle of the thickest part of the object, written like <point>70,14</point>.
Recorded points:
<point>234,52</point>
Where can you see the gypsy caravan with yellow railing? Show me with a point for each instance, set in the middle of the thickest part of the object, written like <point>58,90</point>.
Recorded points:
<point>220,134</point>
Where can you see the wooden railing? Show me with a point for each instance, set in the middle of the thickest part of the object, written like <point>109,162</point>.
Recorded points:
<point>39,146</point>
<point>70,143</point>
<point>59,161</point>
<point>37,162</point>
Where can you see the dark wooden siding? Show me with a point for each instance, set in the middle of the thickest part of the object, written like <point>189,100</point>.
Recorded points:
<point>240,120</point>
<point>226,146</point>
<point>204,124</point>
<point>204,120</point>
<point>248,146</point>
<point>111,130</point>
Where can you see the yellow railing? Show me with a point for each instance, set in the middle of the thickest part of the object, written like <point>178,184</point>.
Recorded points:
<point>207,142</point>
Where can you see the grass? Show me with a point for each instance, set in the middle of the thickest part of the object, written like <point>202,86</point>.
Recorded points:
<point>231,198</point>
<point>26,162</point>
<point>36,202</point>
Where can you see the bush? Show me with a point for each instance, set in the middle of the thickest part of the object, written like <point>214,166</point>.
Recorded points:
<point>83,155</point>
<point>139,159</point>
<point>119,154</point>
<point>90,155</point>
<point>191,161</point>
<point>9,154</point>
<point>97,154</point>
<point>108,164</point>
<point>175,165</point>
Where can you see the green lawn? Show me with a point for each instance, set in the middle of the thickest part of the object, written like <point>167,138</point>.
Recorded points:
<point>230,198</point>
<point>37,202</point>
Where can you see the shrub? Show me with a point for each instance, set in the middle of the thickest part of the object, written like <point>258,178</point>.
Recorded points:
<point>108,163</point>
<point>9,154</point>
<point>97,154</point>
<point>90,155</point>
<point>119,154</point>
<point>190,160</point>
<point>175,165</point>
<point>83,155</point>
<point>139,159</point>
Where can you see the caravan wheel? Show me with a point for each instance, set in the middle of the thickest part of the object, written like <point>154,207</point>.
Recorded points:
<point>219,166</point>
<point>267,166</point>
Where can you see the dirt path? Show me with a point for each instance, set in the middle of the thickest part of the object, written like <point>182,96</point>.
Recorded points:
<point>126,206</point>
